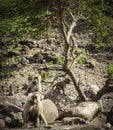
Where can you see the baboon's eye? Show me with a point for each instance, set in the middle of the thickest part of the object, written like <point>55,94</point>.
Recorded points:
<point>35,97</point>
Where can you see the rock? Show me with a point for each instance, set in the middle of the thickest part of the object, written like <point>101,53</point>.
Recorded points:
<point>86,110</point>
<point>48,57</point>
<point>100,120</point>
<point>31,43</point>
<point>12,114</point>
<point>2,123</point>
<point>7,107</point>
<point>108,125</point>
<point>37,57</point>
<point>25,49</point>
<point>62,102</point>
<point>91,91</point>
<point>86,127</point>
<point>50,111</point>
<point>17,119</point>
<point>7,120</point>
<point>24,61</point>
<point>91,63</point>
<point>73,120</point>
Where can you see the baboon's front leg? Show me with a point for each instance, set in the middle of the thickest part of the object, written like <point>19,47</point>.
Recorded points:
<point>63,91</point>
<point>38,121</point>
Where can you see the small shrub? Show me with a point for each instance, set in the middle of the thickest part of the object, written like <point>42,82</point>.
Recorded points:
<point>110,70</point>
<point>46,75</point>
<point>81,59</point>
<point>59,60</point>
<point>80,51</point>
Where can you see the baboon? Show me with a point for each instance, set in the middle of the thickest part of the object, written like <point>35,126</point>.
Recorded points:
<point>35,85</point>
<point>33,109</point>
<point>27,106</point>
<point>39,111</point>
<point>61,85</point>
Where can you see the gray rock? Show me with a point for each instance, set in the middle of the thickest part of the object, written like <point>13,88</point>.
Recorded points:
<point>8,107</point>
<point>73,120</point>
<point>86,127</point>
<point>86,110</point>
<point>2,123</point>
<point>91,63</point>
<point>17,119</point>
<point>50,110</point>
<point>8,120</point>
<point>91,91</point>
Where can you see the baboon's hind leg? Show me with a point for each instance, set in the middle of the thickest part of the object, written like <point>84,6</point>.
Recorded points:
<point>43,119</point>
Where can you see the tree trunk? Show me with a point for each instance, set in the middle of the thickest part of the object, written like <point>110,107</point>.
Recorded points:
<point>67,35</point>
<point>76,84</point>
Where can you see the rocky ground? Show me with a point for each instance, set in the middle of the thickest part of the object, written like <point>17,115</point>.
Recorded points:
<point>34,55</point>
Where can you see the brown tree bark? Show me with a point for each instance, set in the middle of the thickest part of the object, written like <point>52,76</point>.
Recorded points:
<point>68,69</point>
<point>108,87</point>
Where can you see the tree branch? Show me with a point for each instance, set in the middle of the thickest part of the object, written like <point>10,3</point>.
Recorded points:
<point>108,87</point>
<point>66,67</point>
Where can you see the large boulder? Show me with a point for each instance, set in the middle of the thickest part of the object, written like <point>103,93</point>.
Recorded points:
<point>11,115</point>
<point>86,110</point>
<point>7,108</point>
<point>86,127</point>
<point>50,111</point>
<point>16,119</point>
<point>63,103</point>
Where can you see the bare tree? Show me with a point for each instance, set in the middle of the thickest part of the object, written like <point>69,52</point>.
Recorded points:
<point>69,42</point>
<point>62,9</point>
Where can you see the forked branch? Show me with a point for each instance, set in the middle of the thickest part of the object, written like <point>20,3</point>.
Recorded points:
<point>67,36</point>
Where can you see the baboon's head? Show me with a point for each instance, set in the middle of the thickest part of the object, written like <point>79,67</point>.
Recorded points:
<point>33,98</point>
<point>36,97</point>
<point>67,80</point>
<point>35,80</point>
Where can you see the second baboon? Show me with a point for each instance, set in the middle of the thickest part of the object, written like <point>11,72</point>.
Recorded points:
<point>61,85</point>
<point>27,106</point>
<point>35,85</point>
<point>33,109</point>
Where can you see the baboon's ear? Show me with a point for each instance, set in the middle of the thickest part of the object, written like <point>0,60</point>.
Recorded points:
<point>41,96</point>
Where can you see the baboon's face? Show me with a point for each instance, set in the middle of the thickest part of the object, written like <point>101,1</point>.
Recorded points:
<point>35,81</point>
<point>67,80</point>
<point>35,98</point>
